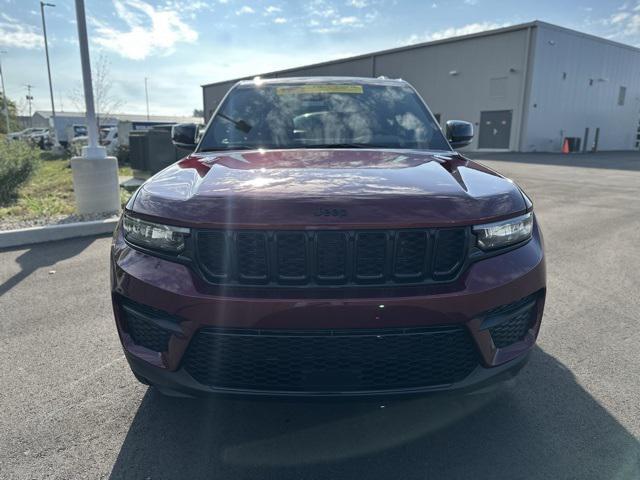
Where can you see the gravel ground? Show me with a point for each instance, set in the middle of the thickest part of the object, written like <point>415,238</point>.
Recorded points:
<point>10,224</point>
<point>71,408</point>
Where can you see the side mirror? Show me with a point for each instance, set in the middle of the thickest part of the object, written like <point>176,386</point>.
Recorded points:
<point>183,135</point>
<point>459,133</point>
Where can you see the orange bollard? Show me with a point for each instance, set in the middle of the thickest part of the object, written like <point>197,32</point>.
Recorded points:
<point>565,146</point>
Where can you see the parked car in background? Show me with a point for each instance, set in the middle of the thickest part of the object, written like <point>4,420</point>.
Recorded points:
<point>41,138</point>
<point>109,139</point>
<point>72,132</point>
<point>23,134</point>
<point>325,239</point>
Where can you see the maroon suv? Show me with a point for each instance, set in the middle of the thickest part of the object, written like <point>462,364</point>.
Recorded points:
<point>324,238</point>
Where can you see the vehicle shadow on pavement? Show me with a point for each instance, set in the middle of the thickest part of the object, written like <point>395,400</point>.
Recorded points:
<point>544,426</point>
<point>44,255</point>
<point>629,160</point>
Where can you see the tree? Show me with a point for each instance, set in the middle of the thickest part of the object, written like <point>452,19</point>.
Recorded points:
<point>13,116</point>
<point>105,102</point>
<point>198,113</point>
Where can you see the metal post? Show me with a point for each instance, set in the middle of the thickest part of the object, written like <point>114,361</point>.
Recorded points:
<point>92,127</point>
<point>146,94</point>
<point>4,97</point>
<point>95,175</point>
<point>29,100</point>
<point>46,51</point>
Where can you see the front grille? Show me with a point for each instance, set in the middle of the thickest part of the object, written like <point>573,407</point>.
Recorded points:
<point>511,322</point>
<point>324,361</point>
<point>139,323</point>
<point>380,257</point>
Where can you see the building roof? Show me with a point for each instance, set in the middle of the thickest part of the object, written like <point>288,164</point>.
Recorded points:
<point>125,117</point>
<point>486,33</point>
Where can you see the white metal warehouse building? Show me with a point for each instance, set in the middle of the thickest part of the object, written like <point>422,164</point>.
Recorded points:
<point>524,87</point>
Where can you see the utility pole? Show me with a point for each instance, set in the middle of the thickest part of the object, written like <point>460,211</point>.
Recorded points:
<point>29,98</point>
<point>46,51</point>
<point>95,175</point>
<point>146,94</point>
<point>4,97</point>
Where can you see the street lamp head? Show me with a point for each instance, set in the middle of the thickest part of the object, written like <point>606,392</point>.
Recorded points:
<point>46,4</point>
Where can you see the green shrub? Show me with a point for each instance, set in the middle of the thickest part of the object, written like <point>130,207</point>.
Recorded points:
<point>122,154</point>
<point>17,162</point>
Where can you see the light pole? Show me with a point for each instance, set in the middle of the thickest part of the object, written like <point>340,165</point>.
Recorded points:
<point>146,94</point>
<point>29,98</point>
<point>4,96</point>
<point>46,51</point>
<point>95,175</point>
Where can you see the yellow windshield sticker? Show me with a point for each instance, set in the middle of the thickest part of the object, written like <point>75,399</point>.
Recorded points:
<point>311,89</point>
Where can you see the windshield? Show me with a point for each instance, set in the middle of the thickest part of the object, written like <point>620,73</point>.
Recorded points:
<point>323,115</point>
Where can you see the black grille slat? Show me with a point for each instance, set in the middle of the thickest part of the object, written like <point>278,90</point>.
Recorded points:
<point>326,257</point>
<point>449,251</point>
<point>252,256</point>
<point>292,256</point>
<point>410,254</point>
<point>333,360</point>
<point>331,256</point>
<point>213,251</point>
<point>371,250</point>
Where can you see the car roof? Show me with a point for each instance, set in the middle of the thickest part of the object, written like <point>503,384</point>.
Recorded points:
<point>327,79</point>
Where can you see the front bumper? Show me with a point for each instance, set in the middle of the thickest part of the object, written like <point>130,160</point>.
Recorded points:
<point>175,290</point>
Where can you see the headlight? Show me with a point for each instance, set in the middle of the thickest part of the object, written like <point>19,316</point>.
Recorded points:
<point>154,235</point>
<point>502,234</point>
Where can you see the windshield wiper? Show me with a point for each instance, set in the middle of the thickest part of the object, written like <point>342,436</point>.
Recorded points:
<point>239,124</point>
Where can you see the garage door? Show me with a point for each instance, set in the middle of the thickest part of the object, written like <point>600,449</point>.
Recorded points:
<point>495,129</point>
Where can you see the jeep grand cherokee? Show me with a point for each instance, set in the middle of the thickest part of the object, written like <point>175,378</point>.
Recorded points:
<point>325,238</point>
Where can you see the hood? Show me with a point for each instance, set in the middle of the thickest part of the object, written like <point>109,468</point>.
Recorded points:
<point>333,187</point>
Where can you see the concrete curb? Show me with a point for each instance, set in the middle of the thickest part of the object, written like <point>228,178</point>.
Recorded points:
<point>50,233</point>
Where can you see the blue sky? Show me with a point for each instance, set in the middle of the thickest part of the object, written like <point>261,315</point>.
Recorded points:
<point>180,45</point>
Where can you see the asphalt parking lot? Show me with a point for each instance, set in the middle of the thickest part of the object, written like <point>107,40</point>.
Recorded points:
<point>70,408</point>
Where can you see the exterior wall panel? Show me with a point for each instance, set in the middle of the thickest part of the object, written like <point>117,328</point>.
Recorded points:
<point>465,94</point>
<point>575,85</point>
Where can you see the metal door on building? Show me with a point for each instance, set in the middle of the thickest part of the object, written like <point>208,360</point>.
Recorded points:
<point>495,129</point>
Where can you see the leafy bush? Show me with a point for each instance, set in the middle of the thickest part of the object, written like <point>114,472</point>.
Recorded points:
<point>18,161</point>
<point>122,153</point>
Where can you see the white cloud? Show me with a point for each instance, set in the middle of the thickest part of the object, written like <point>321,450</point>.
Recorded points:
<point>624,23</point>
<point>280,20</point>
<point>358,3</point>
<point>345,21</point>
<point>246,9</point>
<point>454,32</point>
<point>471,2</point>
<point>192,6</point>
<point>619,17</point>
<point>148,30</point>
<point>16,34</point>
<point>271,9</point>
